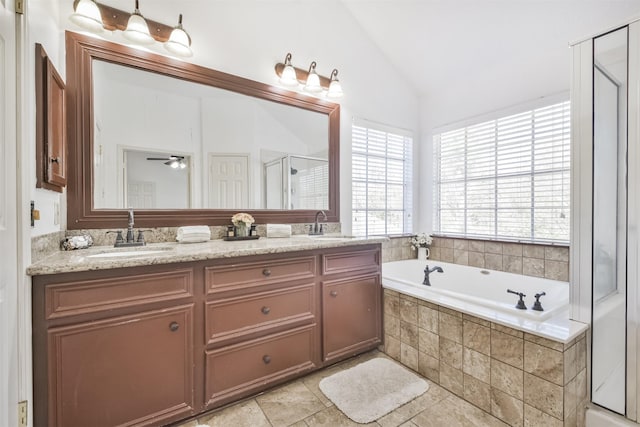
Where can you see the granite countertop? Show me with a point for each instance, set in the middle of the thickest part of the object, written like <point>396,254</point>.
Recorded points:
<point>107,257</point>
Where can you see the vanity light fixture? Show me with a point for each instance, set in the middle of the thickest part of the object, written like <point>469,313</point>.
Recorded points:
<point>311,81</point>
<point>137,29</point>
<point>86,14</point>
<point>93,16</point>
<point>179,42</point>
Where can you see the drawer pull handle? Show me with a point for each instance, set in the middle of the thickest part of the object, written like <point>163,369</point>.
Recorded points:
<point>174,326</point>
<point>333,293</point>
<point>55,160</point>
<point>265,310</point>
<point>266,272</point>
<point>266,359</point>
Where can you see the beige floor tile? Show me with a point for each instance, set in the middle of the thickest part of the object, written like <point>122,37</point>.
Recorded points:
<point>455,412</point>
<point>244,414</point>
<point>332,417</point>
<point>312,382</point>
<point>407,411</point>
<point>289,404</point>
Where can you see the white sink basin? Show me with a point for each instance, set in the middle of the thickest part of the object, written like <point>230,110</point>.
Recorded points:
<point>128,253</point>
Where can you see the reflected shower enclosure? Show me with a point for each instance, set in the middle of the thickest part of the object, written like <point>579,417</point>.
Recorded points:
<point>296,182</point>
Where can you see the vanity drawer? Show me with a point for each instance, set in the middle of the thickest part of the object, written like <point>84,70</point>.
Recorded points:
<point>240,276</point>
<point>232,318</point>
<point>237,370</point>
<point>346,262</point>
<point>95,295</point>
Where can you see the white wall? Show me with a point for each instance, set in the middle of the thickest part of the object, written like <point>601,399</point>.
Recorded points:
<point>510,82</point>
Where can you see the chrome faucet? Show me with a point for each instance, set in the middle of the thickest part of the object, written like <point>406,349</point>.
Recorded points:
<point>316,229</point>
<point>428,271</point>
<point>130,240</point>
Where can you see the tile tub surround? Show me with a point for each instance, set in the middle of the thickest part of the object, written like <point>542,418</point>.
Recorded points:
<point>397,249</point>
<point>548,261</point>
<point>520,378</point>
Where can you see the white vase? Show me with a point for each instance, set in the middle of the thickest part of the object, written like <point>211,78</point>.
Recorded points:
<point>423,254</point>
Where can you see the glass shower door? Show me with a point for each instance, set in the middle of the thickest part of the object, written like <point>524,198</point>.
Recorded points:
<point>608,361</point>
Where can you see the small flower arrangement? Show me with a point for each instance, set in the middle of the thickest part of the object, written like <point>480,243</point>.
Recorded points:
<point>242,218</point>
<point>422,240</point>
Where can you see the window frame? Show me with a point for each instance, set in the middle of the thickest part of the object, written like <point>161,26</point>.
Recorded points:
<point>560,101</point>
<point>408,147</point>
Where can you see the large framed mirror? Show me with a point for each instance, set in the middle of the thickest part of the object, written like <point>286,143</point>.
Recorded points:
<point>183,144</point>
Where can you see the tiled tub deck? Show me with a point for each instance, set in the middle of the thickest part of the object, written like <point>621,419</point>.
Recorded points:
<point>523,379</point>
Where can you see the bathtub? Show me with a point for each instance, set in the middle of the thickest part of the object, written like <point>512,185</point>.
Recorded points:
<point>483,293</point>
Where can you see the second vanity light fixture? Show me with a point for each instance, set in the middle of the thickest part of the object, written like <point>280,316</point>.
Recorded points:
<point>96,17</point>
<point>311,81</point>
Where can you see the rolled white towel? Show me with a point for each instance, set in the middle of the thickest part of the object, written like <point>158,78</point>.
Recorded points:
<point>278,230</point>
<point>193,234</point>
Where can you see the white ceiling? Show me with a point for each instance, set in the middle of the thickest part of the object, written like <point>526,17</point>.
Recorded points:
<point>439,47</point>
<point>441,41</point>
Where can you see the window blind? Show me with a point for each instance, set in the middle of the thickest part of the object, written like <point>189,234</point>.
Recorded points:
<point>381,179</point>
<point>506,178</point>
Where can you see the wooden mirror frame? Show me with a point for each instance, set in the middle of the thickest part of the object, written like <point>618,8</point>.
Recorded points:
<point>81,50</point>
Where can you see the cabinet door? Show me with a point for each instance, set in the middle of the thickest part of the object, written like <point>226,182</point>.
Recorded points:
<point>128,370</point>
<point>51,136</point>
<point>351,316</point>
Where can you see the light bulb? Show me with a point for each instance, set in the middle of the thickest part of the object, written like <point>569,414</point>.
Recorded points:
<point>288,77</point>
<point>137,29</point>
<point>335,88</point>
<point>87,15</point>
<point>313,80</point>
<point>179,42</point>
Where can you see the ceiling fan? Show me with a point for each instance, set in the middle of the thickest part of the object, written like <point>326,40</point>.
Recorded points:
<point>174,161</point>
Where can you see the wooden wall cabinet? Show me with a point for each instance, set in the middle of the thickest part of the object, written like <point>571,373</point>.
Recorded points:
<point>51,125</point>
<point>156,344</point>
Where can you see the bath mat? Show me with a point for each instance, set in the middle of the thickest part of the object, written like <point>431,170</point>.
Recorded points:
<point>372,389</point>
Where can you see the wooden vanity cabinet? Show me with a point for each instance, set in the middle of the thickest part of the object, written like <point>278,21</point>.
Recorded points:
<point>262,322</point>
<point>114,348</point>
<point>156,344</point>
<point>351,303</point>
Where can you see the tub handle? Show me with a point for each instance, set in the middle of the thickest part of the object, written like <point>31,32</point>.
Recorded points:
<point>536,305</point>
<point>520,305</point>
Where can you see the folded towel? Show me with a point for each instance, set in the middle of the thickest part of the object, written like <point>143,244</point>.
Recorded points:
<point>278,230</point>
<point>193,234</point>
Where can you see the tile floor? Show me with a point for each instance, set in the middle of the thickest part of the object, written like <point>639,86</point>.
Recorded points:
<point>301,404</point>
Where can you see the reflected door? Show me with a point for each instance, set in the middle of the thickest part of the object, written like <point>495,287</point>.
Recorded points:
<point>228,181</point>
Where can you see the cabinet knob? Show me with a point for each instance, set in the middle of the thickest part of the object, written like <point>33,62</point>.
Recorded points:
<point>174,326</point>
<point>265,310</point>
<point>55,160</point>
<point>266,359</point>
<point>333,293</point>
<point>266,272</point>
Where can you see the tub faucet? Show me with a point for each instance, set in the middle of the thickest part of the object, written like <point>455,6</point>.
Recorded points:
<point>428,271</point>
